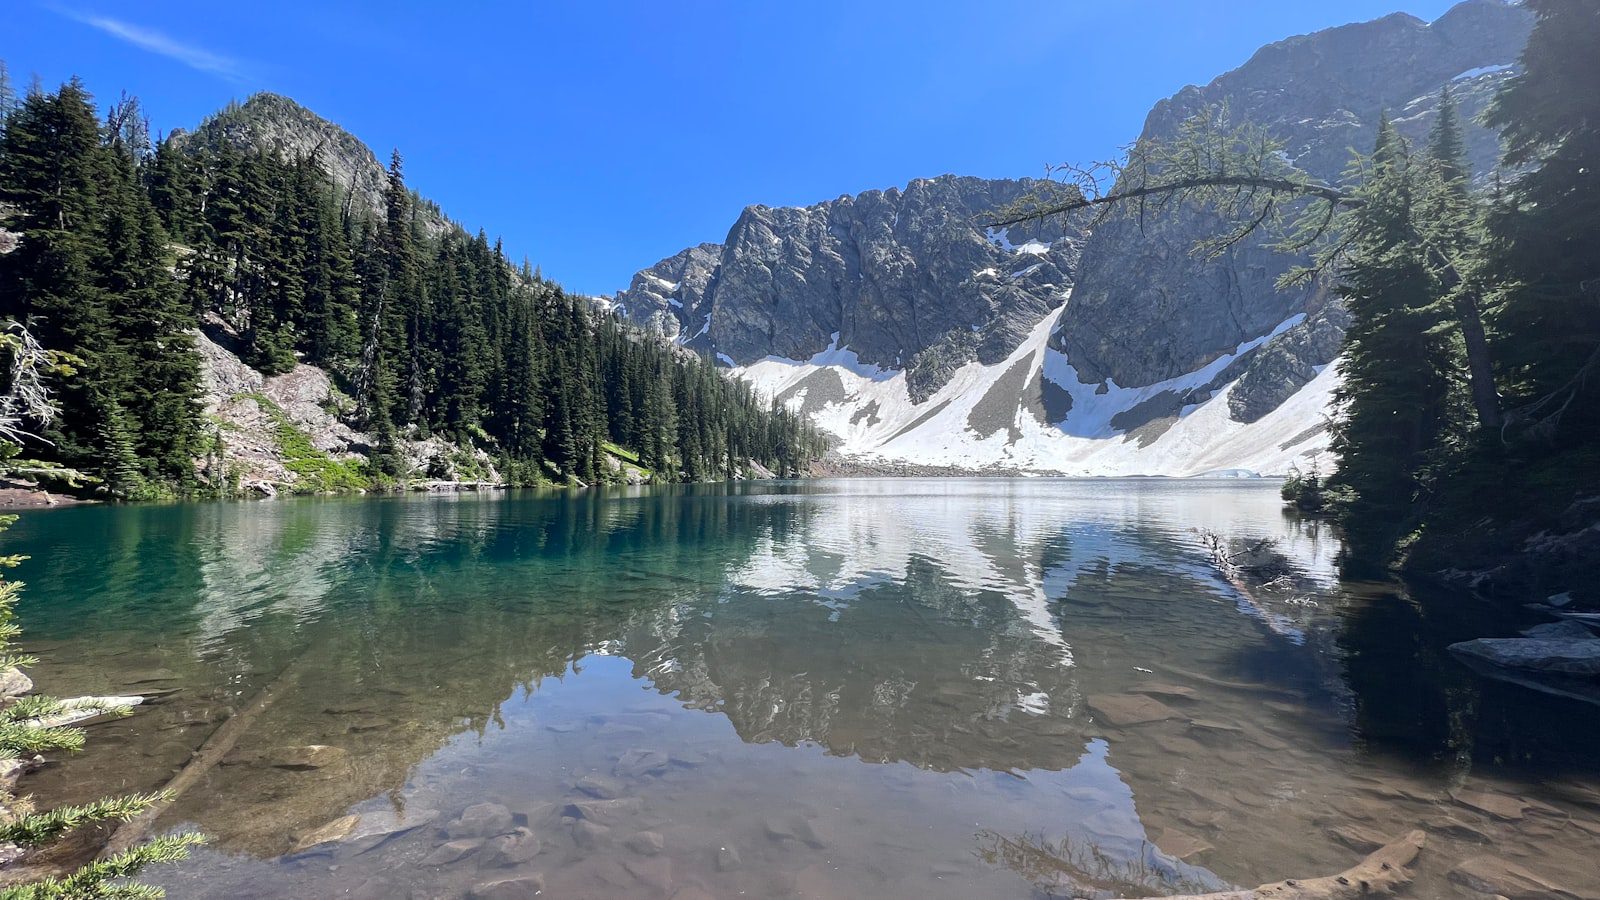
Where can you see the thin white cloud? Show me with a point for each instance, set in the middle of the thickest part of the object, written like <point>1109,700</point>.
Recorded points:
<point>149,39</point>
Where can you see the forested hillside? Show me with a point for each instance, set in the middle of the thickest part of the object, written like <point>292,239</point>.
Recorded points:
<point>122,253</point>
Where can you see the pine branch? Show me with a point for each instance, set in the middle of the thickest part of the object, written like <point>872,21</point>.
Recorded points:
<point>37,828</point>
<point>91,880</point>
<point>17,739</point>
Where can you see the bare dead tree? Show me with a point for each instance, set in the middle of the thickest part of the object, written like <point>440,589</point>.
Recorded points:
<point>26,400</point>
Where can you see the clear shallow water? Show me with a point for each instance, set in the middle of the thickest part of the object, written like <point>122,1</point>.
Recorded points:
<point>897,688</point>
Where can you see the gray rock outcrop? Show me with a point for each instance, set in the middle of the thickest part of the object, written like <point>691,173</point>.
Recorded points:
<point>905,278</point>
<point>1146,309</point>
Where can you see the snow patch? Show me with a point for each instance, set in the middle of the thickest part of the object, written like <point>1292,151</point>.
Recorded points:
<point>1481,70</point>
<point>875,419</point>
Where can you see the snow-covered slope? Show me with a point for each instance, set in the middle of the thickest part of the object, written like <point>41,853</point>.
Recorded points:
<point>1031,412</point>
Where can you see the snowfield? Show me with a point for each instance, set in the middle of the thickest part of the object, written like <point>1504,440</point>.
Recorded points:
<point>869,410</point>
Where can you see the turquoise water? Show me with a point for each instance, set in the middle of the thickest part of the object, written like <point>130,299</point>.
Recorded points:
<point>887,688</point>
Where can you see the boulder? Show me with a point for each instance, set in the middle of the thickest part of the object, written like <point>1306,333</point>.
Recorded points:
<point>13,683</point>
<point>1558,656</point>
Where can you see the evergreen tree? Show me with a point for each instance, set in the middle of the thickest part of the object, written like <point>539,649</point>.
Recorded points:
<point>1394,397</point>
<point>1546,235</point>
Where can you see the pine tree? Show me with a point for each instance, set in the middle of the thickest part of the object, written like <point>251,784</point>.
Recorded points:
<point>1546,235</point>
<point>1394,398</point>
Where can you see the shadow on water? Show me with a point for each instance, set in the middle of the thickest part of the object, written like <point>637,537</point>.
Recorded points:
<point>896,688</point>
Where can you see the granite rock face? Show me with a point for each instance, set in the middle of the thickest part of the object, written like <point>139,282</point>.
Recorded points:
<point>1146,309</point>
<point>1288,362</point>
<point>906,278</point>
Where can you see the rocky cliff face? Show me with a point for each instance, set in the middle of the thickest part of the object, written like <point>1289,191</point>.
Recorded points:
<point>906,278</point>
<point>914,335</point>
<point>1146,309</point>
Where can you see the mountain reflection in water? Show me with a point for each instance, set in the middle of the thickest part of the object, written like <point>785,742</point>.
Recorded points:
<point>892,688</point>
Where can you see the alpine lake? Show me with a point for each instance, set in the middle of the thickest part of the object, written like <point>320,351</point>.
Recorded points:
<point>915,688</point>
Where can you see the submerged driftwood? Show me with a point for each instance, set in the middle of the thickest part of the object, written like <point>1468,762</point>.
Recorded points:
<point>203,761</point>
<point>1381,873</point>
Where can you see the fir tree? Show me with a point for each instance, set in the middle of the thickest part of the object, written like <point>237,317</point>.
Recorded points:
<point>1546,235</point>
<point>1394,399</point>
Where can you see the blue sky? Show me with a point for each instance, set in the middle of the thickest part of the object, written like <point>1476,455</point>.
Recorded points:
<point>598,137</point>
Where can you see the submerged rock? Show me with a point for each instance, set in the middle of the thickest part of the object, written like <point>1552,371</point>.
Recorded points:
<point>518,888</point>
<point>447,853</point>
<point>655,872</point>
<point>637,763</point>
<point>1179,845</point>
<point>1562,656</point>
<point>480,820</point>
<point>513,849</point>
<point>1130,709</point>
<point>305,758</point>
<point>604,812</point>
<point>360,832</point>
<point>1567,630</point>
<point>325,837</point>
<point>1500,806</point>
<point>600,787</point>
<point>1493,875</point>
<point>645,843</point>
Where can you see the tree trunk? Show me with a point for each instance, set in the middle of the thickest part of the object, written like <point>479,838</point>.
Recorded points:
<point>1480,367</point>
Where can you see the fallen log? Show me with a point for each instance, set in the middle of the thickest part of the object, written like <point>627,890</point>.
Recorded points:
<point>206,758</point>
<point>1380,874</point>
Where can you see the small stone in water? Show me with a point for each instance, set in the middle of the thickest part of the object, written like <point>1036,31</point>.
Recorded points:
<point>1501,806</point>
<point>1129,709</point>
<point>812,833</point>
<point>324,838</point>
<point>606,812</point>
<point>778,829</point>
<point>656,873</point>
<point>1493,875</point>
<point>444,854</point>
<point>310,756</point>
<point>728,859</point>
<point>588,833</point>
<point>635,763</point>
<point>508,888</point>
<point>514,849</point>
<point>600,787</point>
<point>480,820</point>
<point>647,843</point>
